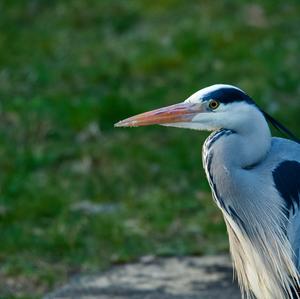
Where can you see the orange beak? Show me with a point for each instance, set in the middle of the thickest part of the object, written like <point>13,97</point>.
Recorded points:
<point>182,112</point>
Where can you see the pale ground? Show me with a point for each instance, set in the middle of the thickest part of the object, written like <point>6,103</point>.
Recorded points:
<point>157,278</point>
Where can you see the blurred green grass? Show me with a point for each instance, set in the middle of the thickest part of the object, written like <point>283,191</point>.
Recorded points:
<point>68,71</point>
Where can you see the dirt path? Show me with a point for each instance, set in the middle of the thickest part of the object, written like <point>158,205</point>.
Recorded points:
<point>157,278</point>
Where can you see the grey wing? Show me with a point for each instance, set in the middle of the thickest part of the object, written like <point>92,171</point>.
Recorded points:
<point>287,181</point>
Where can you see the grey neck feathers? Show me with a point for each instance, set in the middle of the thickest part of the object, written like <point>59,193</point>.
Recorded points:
<point>241,147</point>
<point>227,152</point>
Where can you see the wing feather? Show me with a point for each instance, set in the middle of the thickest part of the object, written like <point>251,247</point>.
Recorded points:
<point>287,181</point>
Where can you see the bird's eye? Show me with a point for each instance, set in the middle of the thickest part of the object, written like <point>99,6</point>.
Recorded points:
<point>213,104</point>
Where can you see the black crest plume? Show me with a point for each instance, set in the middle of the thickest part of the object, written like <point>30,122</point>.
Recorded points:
<point>280,127</point>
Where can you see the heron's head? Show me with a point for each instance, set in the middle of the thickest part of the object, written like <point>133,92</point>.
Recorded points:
<point>214,107</point>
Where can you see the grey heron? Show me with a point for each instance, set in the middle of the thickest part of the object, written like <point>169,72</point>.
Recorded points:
<point>255,181</point>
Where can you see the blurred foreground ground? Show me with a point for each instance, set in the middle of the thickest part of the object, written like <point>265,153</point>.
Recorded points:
<point>77,195</point>
<point>169,278</point>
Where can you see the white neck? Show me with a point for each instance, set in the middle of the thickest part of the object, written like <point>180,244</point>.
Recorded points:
<point>247,146</point>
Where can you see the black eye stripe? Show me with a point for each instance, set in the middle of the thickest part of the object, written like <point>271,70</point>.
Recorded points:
<point>228,95</point>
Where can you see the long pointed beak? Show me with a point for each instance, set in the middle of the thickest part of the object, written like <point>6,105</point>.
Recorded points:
<point>182,112</point>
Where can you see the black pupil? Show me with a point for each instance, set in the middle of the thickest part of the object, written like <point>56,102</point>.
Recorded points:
<point>213,104</point>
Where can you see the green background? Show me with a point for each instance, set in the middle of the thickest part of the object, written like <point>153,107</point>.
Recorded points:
<point>68,71</point>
